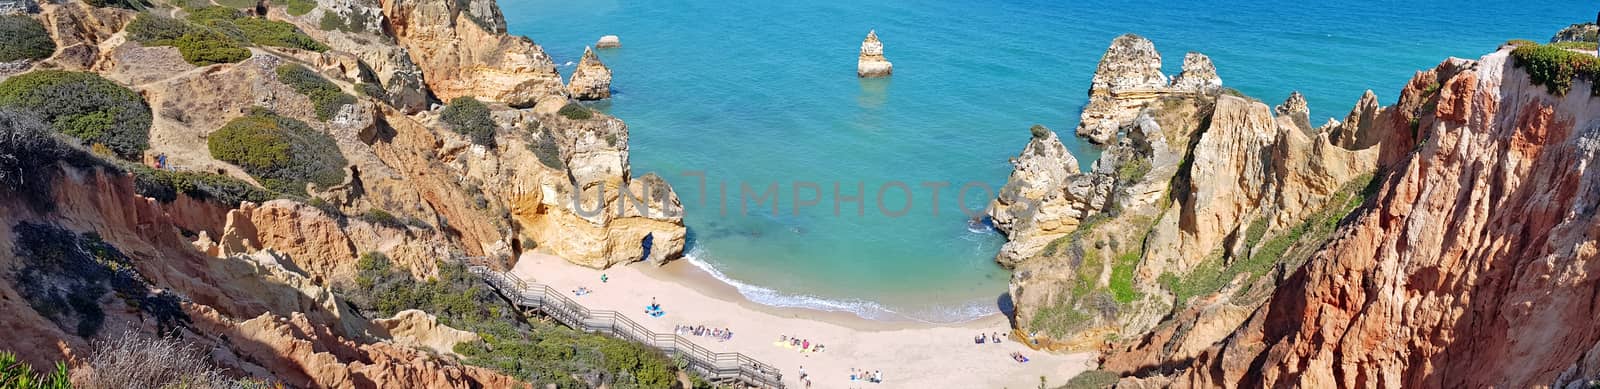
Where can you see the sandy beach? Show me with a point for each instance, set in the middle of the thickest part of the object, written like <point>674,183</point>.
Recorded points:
<point>910,355</point>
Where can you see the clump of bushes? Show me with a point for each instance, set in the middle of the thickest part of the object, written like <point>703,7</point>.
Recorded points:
<point>215,34</point>
<point>383,218</point>
<point>325,96</point>
<point>1039,131</point>
<point>164,186</point>
<point>511,344</point>
<point>84,106</point>
<point>63,276</point>
<point>282,153</point>
<point>544,146</point>
<point>128,4</point>
<point>1583,45</point>
<point>355,22</point>
<point>1555,67</point>
<point>1521,42</point>
<point>468,116</point>
<point>254,30</point>
<point>299,7</point>
<point>575,111</point>
<point>199,45</point>
<point>17,374</point>
<point>22,37</point>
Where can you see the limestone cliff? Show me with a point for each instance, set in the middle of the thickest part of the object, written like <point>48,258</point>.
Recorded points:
<point>871,63</point>
<point>1471,266</point>
<point>1199,195</point>
<point>253,280</point>
<point>591,80</point>
<point>465,52</point>
<point>1580,32</point>
<point>1129,77</point>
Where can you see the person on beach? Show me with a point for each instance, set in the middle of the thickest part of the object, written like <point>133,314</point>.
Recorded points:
<point>996,337</point>
<point>603,278</point>
<point>802,372</point>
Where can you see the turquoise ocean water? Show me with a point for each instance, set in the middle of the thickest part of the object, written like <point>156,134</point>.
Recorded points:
<point>764,92</point>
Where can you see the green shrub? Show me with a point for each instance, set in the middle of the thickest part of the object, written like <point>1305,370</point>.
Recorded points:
<point>299,7</point>
<point>280,150</point>
<point>275,33</point>
<point>510,344</point>
<point>1133,169</point>
<point>382,218</point>
<point>1555,67</point>
<point>355,22</point>
<point>1521,42</point>
<point>1584,45</point>
<point>16,374</point>
<point>128,4</point>
<point>85,106</point>
<point>164,186</point>
<point>324,94</point>
<point>29,153</point>
<point>1121,285</point>
<point>1092,379</point>
<point>1039,131</point>
<point>200,45</point>
<point>22,37</point>
<point>64,275</point>
<point>575,111</point>
<point>238,4</point>
<point>468,116</point>
<point>544,146</point>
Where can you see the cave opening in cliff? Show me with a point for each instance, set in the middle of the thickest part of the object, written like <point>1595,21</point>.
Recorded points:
<point>646,243</point>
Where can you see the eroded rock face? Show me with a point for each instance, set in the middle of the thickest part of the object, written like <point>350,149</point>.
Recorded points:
<point>1044,199</point>
<point>1472,267</point>
<point>591,80</point>
<point>1129,77</point>
<point>1201,183</point>
<point>871,63</point>
<point>459,57</point>
<point>418,329</point>
<point>1581,32</point>
<point>608,42</point>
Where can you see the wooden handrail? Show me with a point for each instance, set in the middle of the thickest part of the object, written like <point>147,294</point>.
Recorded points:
<point>551,302</point>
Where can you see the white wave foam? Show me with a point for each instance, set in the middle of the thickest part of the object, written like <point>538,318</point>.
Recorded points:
<point>865,309</point>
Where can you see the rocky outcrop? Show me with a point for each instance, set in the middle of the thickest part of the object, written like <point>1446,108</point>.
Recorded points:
<point>871,63</point>
<point>1581,32</point>
<point>1129,77</point>
<point>465,52</point>
<point>1473,265</point>
<point>608,42</point>
<point>591,80</point>
<point>1045,198</point>
<point>1202,198</point>
<point>418,329</point>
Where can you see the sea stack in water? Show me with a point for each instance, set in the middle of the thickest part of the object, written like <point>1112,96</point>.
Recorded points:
<point>1129,77</point>
<point>872,63</point>
<point>608,42</point>
<point>592,79</point>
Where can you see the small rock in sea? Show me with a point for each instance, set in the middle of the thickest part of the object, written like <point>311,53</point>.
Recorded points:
<point>608,42</point>
<point>871,63</point>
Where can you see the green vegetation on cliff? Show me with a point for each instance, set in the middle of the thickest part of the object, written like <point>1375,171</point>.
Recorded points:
<point>575,111</point>
<point>164,186</point>
<point>324,94</point>
<point>213,35</point>
<point>1555,67</point>
<point>511,344</point>
<point>16,374</point>
<point>63,276</point>
<point>282,153</point>
<point>199,45</point>
<point>84,106</point>
<point>468,116</point>
<point>22,37</point>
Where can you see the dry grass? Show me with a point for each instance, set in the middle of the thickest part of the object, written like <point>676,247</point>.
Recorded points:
<point>134,360</point>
